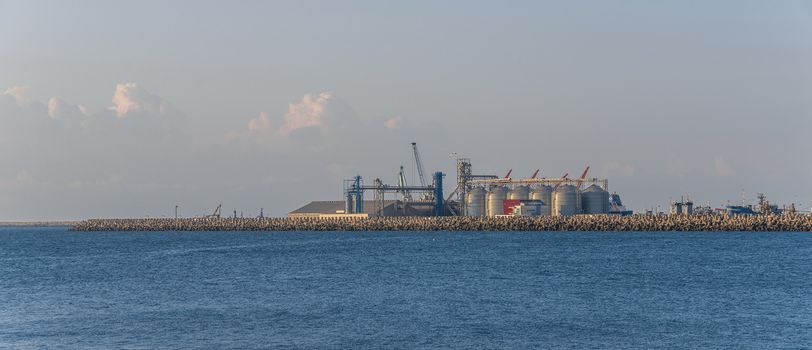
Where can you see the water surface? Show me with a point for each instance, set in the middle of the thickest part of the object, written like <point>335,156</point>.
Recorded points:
<point>61,289</point>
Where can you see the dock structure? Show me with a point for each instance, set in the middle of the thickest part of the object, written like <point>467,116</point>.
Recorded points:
<point>786,222</point>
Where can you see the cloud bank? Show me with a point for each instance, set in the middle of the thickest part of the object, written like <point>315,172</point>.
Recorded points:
<point>135,156</point>
<point>59,149</point>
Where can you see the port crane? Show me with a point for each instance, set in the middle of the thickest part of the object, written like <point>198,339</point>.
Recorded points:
<point>580,181</point>
<point>419,165</point>
<point>506,179</point>
<point>402,185</point>
<point>563,178</point>
<point>535,173</point>
<point>216,213</point>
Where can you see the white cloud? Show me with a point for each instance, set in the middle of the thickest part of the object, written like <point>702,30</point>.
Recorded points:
<point>130,97</point>
<point>321,112</point>
<point>393,123</point>
<point>311,111</point>
<point>54,107</point>
<point>260,128</point>
<point>59,109</point>
<point>62,135</point>
<point>722,167</point>
<point>127,160</point>
<point>18,93</point>
<point>261,123</point>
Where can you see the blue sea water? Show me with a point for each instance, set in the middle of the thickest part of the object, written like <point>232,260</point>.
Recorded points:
<point>62,289</point>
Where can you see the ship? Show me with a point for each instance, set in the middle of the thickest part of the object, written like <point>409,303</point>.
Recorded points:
<point>616,206</point>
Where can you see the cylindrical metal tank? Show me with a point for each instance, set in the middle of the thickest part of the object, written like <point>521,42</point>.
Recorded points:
<point>475,202</point>
<point>496,201</point>
<point>594,200</point>
<point>521,193</point>
<point>544,194</point>
<point>565,200</point>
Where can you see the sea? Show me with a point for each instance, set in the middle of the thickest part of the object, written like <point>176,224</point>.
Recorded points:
<point>404,290</point>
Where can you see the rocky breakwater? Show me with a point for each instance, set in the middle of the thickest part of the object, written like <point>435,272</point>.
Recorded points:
<point>793,222</point>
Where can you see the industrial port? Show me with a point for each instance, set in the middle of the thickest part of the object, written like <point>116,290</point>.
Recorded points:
<point>474,195</point>
<point>484,202</point>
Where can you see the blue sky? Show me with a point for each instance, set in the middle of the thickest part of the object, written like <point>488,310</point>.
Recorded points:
<point>272,104</point>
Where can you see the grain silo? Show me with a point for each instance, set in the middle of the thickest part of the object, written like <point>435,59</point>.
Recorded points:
<point>496,201</point>
<point>475,202</point>
<point>520,193</point>
<point>544,194</point>
<point>594,200</point>
<point>565,201</point>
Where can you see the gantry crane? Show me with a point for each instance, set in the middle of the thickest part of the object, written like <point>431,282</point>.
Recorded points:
<point>407,196</point>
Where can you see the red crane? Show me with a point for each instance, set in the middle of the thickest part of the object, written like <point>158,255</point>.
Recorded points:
<point>536,173</point>
<point>580,181</point>
<point>563,178</point>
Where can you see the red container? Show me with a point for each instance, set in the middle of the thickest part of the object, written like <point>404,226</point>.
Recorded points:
<point>508,204</point>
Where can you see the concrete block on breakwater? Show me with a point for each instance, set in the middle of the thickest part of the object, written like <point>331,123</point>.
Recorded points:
<point>789,222</point>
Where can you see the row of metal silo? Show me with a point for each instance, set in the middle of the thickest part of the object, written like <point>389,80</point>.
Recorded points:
<point>594,200</point>
<point>565,200</point>
<point>475,202</point>
<point>495,201</point>
<point>544,194</point>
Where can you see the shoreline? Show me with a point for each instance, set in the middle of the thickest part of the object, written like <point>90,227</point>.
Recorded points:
<point>583,223</point>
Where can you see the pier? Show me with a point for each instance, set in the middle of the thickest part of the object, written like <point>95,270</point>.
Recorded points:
<point>786,222</point>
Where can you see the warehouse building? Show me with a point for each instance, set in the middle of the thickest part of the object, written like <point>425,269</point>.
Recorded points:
<point>327,209</point>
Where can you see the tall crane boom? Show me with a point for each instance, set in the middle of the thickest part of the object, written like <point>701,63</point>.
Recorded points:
<point>216,213</point>
<point>419,164</point>
<point>580,181</point>
<point>407,196</point>
<point>562,178</point>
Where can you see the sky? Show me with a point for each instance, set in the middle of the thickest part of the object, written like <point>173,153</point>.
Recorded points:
<point>127,109</point>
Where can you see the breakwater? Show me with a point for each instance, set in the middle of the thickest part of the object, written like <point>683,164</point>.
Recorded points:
<point>794,222</point>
